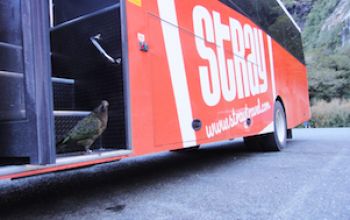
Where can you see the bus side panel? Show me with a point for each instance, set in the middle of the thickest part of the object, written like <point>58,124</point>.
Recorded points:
<point>181,96</point>
<point>140,82</point>
<point>173,37</point>
<point>228,117</point>
<point>153,112</point>
<point>292,86</point>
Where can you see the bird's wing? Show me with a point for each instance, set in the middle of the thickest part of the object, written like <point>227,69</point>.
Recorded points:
<point>86,128</point>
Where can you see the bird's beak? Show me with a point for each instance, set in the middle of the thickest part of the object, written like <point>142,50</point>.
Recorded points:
<point>105,103</point>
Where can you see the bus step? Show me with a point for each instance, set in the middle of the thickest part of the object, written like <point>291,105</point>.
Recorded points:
<point>71,113</point>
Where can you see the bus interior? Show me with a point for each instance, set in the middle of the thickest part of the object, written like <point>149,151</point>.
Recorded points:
<point>86,67</point>
<point>86,57</point>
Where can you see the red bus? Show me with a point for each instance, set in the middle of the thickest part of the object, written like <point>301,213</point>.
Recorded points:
<point>177,74</point>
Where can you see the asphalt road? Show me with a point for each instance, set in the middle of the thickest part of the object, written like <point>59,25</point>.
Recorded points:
<point>310,179</point>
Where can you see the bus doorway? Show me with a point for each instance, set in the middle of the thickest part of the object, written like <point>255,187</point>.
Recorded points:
<point>87,67</point>
<point>59,60</point>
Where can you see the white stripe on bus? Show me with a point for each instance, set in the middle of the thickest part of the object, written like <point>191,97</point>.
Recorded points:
<point>272,68</point>
<point>268,129</point>
<point>167,13</point>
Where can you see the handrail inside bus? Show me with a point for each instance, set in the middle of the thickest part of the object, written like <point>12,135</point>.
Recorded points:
<point>80,18</point>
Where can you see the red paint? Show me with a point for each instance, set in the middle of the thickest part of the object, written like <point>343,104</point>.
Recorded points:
<point>155,124</point>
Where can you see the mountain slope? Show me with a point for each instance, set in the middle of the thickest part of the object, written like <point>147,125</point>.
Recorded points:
<point>326,36</point>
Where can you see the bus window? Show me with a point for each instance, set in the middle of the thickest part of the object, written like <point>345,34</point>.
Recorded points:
<point>246,8</point>
<point>278,25</point>
<point>293,43</point>
<point>269,15</point>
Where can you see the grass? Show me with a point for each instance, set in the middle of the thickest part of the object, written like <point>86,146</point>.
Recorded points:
<point>335,113</point>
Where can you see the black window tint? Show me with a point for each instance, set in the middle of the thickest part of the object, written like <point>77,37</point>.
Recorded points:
<point>271,18</point>
<point>278,25</point>
<point>293,42</point>
<point>246,8</point>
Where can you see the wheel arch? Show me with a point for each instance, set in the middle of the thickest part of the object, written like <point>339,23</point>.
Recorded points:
<point>279,98</point>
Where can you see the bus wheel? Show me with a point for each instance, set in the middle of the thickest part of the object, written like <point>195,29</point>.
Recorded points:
<point>274,141</point>
<point>278,139</point>
<point>253,142</point>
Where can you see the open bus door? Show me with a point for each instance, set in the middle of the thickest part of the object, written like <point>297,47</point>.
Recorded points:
<point>26,123</point>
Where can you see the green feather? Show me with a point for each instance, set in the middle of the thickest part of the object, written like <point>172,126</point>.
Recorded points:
<point>86,128</point>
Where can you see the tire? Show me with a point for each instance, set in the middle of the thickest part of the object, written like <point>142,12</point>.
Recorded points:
<point>253,143</point>
<point>276,140</point>
<point>289,134</point>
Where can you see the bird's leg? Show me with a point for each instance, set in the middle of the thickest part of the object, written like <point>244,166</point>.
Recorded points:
<point>87,144</point>
<point>88,150</point>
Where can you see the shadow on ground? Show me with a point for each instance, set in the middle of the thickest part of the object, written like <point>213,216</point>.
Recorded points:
<point>128,175</point>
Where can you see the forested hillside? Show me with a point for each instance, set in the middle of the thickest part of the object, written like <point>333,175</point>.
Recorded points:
<point>326,36</point>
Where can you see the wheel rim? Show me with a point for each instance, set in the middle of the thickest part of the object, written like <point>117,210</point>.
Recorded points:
<point>280,126</point>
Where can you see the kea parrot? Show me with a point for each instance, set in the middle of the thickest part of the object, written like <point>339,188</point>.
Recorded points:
<point>86,131</point>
